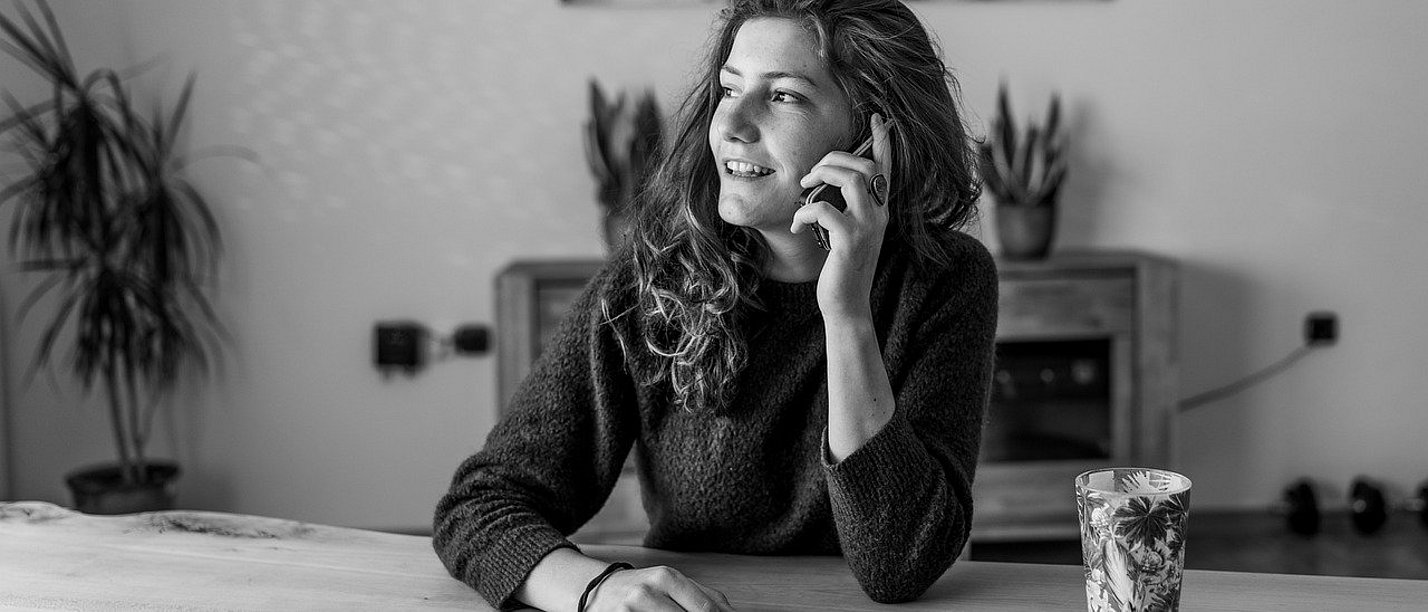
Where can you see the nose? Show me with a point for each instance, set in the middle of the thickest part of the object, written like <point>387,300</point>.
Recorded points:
<point>736,120</point>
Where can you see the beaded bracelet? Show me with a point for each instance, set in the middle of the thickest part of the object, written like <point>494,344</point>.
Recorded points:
<point>590,588</point>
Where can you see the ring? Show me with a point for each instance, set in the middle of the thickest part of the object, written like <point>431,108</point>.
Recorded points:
<point>878,185</point>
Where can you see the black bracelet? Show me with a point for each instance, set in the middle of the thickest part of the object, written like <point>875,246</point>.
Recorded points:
<point>590,588</point>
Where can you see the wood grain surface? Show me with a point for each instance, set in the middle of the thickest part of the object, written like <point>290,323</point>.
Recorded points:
<point>52,558</point>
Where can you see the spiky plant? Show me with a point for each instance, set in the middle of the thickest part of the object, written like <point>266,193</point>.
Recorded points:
<point>127,243</point>
<point>1024,167</point>
<point>623,139</point>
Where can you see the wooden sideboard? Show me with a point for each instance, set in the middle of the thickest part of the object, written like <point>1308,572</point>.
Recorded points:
<point>1123,302</point>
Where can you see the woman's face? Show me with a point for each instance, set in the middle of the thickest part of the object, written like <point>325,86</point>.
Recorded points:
<point>780,113</point>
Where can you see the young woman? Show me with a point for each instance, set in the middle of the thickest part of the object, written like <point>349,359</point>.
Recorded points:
<point>784,398</point>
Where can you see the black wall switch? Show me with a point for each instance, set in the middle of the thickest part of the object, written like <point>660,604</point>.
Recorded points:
<point>398,345</point>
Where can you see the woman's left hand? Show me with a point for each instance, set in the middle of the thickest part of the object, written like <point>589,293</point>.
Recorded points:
<point>856,234</point>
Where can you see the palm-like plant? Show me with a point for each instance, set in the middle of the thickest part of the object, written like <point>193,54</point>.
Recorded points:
<point>126,241</point>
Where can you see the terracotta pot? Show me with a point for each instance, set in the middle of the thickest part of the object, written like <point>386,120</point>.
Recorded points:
<point>1025,232</point>
<point>100,489</point>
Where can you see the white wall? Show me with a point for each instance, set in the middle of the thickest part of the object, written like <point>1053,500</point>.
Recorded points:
<point>410,150</point>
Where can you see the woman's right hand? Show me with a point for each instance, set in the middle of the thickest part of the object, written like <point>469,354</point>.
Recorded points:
<point>655,588</point>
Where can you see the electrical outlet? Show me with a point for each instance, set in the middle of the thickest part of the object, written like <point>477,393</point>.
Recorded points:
<point>398,345</point>
<point>1321,328</point>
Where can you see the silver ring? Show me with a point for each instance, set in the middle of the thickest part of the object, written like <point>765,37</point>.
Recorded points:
<point>878,185</point>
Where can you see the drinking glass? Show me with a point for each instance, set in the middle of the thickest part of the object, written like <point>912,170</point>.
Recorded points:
<point>1132,537</point>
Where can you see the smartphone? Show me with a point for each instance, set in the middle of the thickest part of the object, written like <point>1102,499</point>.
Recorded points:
<point>832,195</point>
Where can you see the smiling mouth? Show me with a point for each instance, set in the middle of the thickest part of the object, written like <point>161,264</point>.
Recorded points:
<point>740,169</point>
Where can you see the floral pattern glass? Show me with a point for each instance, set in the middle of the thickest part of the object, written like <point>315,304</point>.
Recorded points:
<point>1132,537</point>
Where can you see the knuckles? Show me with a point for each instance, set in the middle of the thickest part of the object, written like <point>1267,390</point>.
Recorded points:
<point>665,575</point>
<point>843,168</point>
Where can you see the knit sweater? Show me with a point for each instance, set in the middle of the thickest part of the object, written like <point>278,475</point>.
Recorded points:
<point>754,477</point>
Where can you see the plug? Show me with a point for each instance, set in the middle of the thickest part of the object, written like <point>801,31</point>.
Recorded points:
<point>1321,328</point>
<point>471,339</point>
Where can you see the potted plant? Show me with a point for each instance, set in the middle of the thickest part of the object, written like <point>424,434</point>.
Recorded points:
<point>126,244</point>
<point>1022,170</point>
<point>623,140</point>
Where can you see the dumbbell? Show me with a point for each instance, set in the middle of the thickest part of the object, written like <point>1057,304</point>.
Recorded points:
<point>1300,507</point>
<point>1369,508</point>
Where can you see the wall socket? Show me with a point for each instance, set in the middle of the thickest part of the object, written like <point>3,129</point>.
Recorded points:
<point>398,345</point>
<point>1321,328</point>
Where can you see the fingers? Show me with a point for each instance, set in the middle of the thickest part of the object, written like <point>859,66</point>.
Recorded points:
<point>721,602</point>
<point>688,594</point>
<point>821,213</point>
<point>882,143</point>
<point>851,184</point>
<point>840,170</point>
<point>881,183</point>
<point>695,597</point>
<point>829,226</point>
<point>659,588</point>
<point>861,181</point>
<point>841,159</point>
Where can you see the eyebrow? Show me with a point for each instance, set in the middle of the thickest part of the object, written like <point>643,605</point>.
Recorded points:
<point>777,74</point>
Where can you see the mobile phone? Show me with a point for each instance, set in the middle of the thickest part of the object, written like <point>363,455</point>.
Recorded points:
<point>832,195</point>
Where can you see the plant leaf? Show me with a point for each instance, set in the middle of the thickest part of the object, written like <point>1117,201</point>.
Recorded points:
<point>1007,121</point>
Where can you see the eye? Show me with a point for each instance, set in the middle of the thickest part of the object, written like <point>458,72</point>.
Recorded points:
<point>786,97</point>
<point>726,91</point>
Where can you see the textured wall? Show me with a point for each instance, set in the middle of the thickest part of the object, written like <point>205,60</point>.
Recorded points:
<point>410,150</point>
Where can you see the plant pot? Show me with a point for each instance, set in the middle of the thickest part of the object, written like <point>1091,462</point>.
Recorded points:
<point>100,489</point>
<point>1025,232</point>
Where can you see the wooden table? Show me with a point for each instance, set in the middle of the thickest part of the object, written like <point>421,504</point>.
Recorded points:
<point>53,558</point>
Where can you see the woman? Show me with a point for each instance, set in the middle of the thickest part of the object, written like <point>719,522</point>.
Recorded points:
<point>785,399</point>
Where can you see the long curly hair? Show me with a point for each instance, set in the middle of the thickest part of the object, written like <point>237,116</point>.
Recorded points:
<point>696,275</point>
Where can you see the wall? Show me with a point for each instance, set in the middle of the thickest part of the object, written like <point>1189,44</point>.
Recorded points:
<point>410,150</point>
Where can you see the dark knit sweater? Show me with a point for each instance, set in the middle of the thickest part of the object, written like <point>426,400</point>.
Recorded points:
<point>754,477</point>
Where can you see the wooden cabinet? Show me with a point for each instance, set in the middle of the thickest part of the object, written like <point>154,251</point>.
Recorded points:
<point>1125,304</point>
<point>1118,307</point>
<point>531,300</point>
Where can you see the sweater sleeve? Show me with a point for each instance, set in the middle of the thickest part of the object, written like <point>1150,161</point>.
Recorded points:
<point>549,464</point>
<point>902,502</point>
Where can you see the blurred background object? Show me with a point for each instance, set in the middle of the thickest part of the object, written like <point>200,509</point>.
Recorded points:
<point>623,142</point>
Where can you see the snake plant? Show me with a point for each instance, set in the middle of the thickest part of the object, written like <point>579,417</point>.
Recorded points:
<point>1024,167</point>
<point>623,140</point>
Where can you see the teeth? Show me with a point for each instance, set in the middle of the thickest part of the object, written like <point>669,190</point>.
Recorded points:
<point>739,167</point>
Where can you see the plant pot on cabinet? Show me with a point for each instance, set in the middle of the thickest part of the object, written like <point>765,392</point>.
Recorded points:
<point>1025,232</point>
<point>100,489</point>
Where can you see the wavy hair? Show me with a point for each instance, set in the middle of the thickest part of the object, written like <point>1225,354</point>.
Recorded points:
<point>696,275</point>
